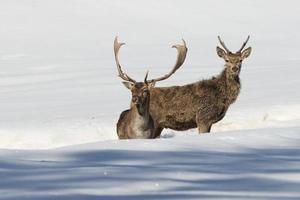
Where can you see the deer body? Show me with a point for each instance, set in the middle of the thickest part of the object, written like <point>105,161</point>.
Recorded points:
<point>199,104</point>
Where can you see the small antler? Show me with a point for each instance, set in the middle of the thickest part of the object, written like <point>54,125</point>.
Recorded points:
<point>244,44</point>
<point>145,79</point>
<point>223,45</point>
<point>181,54</point>
<point>123,75</point>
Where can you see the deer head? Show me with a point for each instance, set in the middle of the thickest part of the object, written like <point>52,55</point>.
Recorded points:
<point>141,90</point>
<point>233,61</point>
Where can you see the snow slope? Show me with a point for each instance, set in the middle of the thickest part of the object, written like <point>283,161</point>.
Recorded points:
<point>256,164</point>
<point>60,99</point>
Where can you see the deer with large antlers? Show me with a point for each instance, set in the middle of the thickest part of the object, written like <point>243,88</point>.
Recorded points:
<point>137,122</point>
<point>200,104</point>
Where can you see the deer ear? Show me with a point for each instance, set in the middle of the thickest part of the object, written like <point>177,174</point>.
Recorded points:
<point>246,53</point>
<point>151,84</point>
<point>221,53</point>
<point>128,85</point>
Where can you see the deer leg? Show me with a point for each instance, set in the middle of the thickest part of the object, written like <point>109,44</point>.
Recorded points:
<point>203,123</point>
<point>203,129</point>
<point>157,132</point>
<point>209,128</point>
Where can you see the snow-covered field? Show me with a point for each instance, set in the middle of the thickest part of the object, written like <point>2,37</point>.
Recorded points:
<point>60,98</point>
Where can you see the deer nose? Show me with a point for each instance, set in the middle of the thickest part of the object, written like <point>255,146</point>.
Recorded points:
<point>235,69</point>
<point>134,99</point>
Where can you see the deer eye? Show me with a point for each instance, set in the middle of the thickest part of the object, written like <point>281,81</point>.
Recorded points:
<point>145,93</point>
<point>226,60</point>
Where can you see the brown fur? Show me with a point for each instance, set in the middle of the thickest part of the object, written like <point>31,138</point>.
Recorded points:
<point>137,122</point>
<point>199,104</point>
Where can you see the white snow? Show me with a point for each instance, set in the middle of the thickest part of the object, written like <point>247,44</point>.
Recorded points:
<point>256,164</point>
<point>60,99</point>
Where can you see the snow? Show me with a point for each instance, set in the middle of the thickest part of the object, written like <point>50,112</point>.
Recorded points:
<point>60,99</point>
<point>228,165</point>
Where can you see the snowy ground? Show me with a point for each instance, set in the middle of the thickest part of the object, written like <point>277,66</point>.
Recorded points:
<point>260,164</point>
<point>60,98</point>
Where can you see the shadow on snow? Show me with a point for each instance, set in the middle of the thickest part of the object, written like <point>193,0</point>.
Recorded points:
<point>125,174</point>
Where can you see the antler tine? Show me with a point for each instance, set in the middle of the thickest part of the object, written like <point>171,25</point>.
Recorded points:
<point>181,55</point>
<point>244,44</point>
<point>145,79</point>
<point>122,74</point>
<point>223,44</point>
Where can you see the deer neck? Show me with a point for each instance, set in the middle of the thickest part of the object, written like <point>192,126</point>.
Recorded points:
<point>229,86</point>
<point>142,110</point>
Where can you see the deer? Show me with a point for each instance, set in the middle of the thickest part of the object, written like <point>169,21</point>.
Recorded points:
<point>137,122</point>
<point>200,104</point>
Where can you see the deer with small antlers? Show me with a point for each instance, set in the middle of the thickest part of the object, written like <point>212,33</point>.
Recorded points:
<point>137,122</point>
<point>200,104</point>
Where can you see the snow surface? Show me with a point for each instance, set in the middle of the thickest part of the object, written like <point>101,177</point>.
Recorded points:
<point>254,164</point>
<point>60,99</point>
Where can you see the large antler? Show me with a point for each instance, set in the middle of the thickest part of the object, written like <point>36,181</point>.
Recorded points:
<point>223,45</point>
<point>181,54</point>
<point>244,44</point>
<point>123,75</point>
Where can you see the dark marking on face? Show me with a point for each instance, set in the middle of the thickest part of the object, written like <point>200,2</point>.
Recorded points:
<point>140,92</point>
